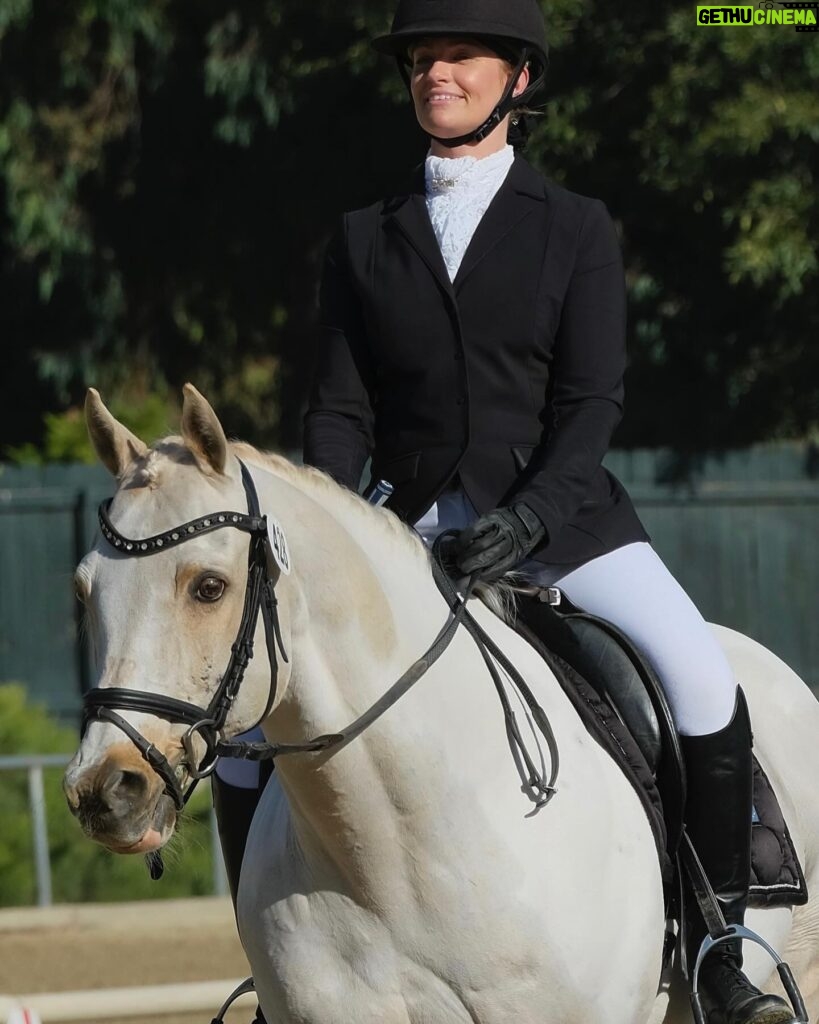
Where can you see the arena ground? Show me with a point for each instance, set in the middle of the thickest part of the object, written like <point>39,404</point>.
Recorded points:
<point>70,948</point>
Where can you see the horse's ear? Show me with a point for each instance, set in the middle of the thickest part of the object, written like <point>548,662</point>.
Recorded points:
<point>202,431</point>
<point>115,445</point>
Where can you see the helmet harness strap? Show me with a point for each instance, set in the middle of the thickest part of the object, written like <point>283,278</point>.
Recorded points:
<point>504,107</point>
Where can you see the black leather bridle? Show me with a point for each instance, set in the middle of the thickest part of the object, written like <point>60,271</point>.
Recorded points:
<point>207,723</point>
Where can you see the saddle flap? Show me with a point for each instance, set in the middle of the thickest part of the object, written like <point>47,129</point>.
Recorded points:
<point>606,665</point>
<point>626,685</point>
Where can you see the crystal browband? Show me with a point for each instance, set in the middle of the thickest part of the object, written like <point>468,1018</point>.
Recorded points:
<point>160,541</point>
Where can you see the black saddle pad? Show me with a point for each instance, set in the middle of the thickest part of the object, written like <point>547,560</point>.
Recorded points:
<point>777,879</point>
<point>622,706</point>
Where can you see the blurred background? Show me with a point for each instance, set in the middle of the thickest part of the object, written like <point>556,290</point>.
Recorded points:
<point>169,175</point>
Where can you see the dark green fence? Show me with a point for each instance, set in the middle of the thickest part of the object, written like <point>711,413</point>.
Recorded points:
<point>740,531</point>
<point>47,523</point>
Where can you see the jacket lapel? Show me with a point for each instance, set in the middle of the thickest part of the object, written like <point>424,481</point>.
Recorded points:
<point>409,213</point>
<point>521,193</point>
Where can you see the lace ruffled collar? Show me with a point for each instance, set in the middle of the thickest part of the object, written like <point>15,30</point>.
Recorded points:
<point>448,174</point>
<point>459,192</point>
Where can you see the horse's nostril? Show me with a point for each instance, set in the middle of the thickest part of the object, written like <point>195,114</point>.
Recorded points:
<point>123,791</point>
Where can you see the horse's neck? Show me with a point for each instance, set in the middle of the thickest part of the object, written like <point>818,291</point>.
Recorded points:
<point>361,599</point>
<point>418,781</point>
<point>366,597</point>
<point>365,607</point>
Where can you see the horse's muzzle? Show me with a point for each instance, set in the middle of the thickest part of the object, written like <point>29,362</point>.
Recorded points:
<point>121,806</point>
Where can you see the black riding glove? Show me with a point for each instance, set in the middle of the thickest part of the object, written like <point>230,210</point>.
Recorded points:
<point>496,542</point>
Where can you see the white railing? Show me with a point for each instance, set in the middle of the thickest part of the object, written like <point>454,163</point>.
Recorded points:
<point>118,1003</point>
<point>33,765</point>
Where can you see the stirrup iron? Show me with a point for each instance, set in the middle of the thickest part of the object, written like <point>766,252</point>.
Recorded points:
<point>736,931</point>
<point>247,986</point>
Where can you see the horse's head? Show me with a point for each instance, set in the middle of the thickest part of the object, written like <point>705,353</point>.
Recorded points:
<point>171,615</point>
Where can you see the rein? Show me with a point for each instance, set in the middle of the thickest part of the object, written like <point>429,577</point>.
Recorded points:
<point>270,751</point>
<point>490,652</point>
<point>208,723</point>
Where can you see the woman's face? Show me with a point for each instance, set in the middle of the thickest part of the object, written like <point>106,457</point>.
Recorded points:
<point>456,84</point>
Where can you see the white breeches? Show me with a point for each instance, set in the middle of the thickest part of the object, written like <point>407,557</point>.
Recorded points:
<point>632,588</point>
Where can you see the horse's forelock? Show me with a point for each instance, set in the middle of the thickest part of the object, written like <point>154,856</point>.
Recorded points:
<point>150,470</point>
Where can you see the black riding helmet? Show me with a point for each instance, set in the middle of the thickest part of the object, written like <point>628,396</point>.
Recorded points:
<point>514,29</point>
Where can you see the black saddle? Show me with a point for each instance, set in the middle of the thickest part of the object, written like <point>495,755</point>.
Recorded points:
<point>625,693</point>
<point>622,703</point>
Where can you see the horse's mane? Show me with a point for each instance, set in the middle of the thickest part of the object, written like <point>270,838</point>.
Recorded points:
<point>353,509</point>
<point>347,506</point>
<point>355,514</point>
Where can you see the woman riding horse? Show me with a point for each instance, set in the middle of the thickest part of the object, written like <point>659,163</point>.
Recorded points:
<point>473,344</point>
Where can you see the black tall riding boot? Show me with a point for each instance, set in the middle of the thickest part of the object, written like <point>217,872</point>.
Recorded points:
<point>234,808</point>
<point>719,768</point>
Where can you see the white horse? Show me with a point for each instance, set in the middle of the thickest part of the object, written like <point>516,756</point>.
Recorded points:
<point>405,877</point>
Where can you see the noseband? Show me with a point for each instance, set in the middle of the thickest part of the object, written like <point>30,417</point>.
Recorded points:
<point>104,704</point>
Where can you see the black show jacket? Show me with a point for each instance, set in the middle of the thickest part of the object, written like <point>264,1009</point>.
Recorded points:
<point>510,377</point>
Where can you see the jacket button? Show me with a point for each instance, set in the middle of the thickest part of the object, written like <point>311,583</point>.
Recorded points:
<point>461,401</point>
<point>459,357</point>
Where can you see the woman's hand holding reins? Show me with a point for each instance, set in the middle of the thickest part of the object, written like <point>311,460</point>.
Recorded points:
<point>498,541</point>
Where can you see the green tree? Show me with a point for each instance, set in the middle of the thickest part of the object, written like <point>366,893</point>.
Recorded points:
<point>170,172</point>
<point>702,141</point>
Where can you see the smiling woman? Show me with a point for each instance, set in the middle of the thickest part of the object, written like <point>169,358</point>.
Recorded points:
<point>494,57</point>
<point>455,85</point>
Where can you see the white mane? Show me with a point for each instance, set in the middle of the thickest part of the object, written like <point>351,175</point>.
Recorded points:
<point>358,516</point>
<point>355,514</point>
<point>352,511</point>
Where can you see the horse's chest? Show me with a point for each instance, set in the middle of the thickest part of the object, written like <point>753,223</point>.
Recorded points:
<point>332,960</point>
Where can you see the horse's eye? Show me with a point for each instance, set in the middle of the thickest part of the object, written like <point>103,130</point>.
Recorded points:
<point>210,589</point>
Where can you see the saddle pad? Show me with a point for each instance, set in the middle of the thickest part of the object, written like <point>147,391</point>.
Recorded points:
<point>777,879</point>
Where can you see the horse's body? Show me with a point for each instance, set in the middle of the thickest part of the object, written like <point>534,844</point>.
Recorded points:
<point>404,878</point>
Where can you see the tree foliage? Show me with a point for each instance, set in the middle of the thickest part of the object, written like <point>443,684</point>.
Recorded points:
<point>170,172</point>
